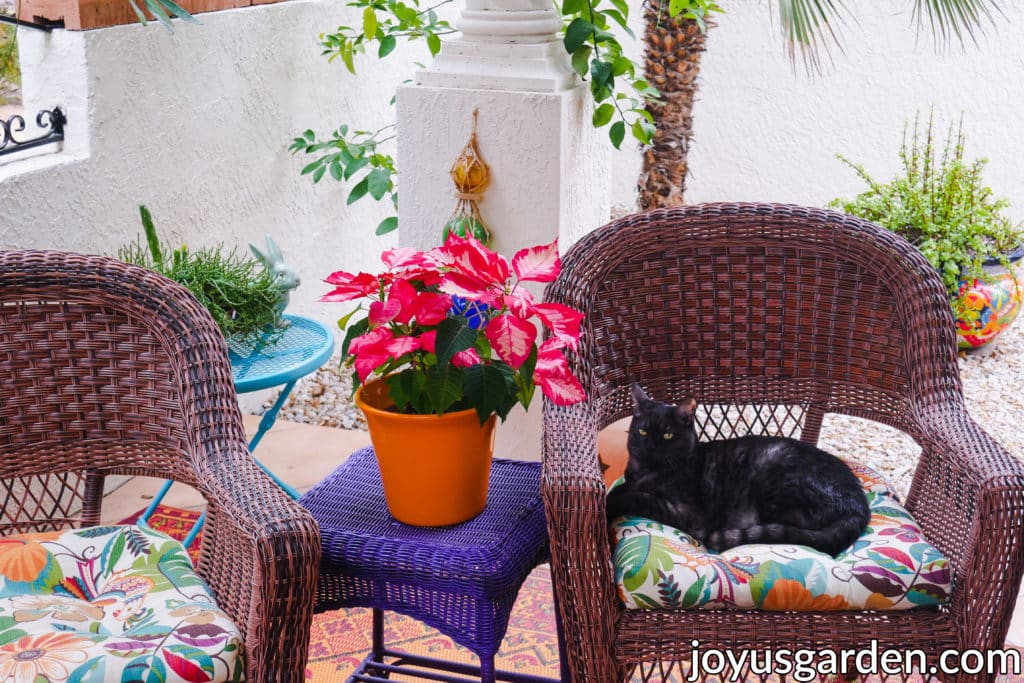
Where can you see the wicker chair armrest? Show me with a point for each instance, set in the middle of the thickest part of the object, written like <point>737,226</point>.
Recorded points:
<point>968,496</point>
<point>261,556</point>
<point>574,500</point>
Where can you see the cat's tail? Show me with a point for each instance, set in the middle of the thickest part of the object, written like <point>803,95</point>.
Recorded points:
<point>832,539</point>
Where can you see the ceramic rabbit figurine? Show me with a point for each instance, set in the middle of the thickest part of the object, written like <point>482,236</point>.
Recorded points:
<point>284,275</point>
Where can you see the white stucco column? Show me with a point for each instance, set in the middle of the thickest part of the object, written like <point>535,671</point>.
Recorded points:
<point>548,166</point>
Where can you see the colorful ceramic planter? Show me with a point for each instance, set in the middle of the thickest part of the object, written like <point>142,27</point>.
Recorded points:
<point>986,307</point>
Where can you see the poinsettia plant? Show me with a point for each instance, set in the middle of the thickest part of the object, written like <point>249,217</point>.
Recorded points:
<point>453,328</point>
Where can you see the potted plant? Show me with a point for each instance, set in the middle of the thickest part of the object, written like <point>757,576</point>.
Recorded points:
<point>246,297</point>
<point>940,205</point>
<point>447,344</point>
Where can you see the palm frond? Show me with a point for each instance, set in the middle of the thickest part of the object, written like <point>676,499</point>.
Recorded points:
<point>808,27</point>
<point>955,18</point>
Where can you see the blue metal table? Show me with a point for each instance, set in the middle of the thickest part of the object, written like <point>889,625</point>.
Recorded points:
<point>271,361</point>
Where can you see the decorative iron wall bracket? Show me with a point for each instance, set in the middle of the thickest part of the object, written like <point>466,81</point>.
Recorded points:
<point>51,121</point>
<point>28,24</point>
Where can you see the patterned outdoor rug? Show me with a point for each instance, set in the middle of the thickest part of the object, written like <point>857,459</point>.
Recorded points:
<point>341,639</point>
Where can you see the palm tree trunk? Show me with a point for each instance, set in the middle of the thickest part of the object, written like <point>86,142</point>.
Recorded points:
<point>671,63</point>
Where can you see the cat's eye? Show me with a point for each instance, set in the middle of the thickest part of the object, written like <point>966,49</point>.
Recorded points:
<point>667,435</point>
<point>642,432</point>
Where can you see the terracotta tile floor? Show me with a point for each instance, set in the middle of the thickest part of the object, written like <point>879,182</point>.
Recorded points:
<point>302,455</point>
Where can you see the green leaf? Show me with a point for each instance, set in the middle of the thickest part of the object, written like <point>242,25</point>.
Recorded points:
<point>486,389</point>
<point>387,225</point>
<point>677,7</point>
<point>358,191</point>
<point>387,46</point>
<point>355,166</point>
<point>346,57</point>
<point>577,33</point>
<point>312,166</point>
<point>616,133</point>
<point>378,182</point>
<point>643,131</point>
<point>344,320</point>
<point>601,72</point>
<point>443,386</point>
<point>453,335</point>
<point>406,390</point>
<point>581,61</point>
<point>621,20</point>
<point>621,65</point>
<point>369,23</point>
<point>603,114</point>
<point>433,44</point>
<point>157,10</point>
<point>138,13</point>
<point>179,11</point>
<point>336,171</point>
<point>319,173</point>
<point>570,7</point>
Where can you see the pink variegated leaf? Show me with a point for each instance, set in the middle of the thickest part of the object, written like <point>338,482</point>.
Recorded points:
<point>407,257</point>
<point>370,350</point>
<point>432,308</point>
<point>468,287</point>
<point>511,338</point>
<point>428,341</point>
<point>519,301</point>
<point>399,346</point>
<point>553,376</point>
<point>349,286</point>
<point>382,312</point>
<point>467,255</point>
<point>563,321</point>
<point>366,363</point>
<point>406,296</point>
<point>538,264</point>
<point>464,359</point>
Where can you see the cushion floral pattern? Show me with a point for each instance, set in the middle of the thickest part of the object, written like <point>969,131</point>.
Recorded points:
<point>115,603</point>
<point>891,566</point>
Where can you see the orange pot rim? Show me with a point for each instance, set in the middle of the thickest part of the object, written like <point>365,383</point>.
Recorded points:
<point>363,405</point>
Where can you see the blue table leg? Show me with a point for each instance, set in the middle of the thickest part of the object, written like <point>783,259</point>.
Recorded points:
<point>144,519</point>
<point>266,422</point>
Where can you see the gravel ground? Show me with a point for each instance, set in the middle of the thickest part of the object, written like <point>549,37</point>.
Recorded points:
<point>992,384</point>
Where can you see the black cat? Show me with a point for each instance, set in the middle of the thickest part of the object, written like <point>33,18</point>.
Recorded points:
<point>754,489</point>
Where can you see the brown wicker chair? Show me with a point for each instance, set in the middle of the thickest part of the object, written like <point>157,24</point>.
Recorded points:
<point>107,368</point>
<point>768,305</point>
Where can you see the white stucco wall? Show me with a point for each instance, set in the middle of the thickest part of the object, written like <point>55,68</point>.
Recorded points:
<point>196,125</point>
<point>766,132</point>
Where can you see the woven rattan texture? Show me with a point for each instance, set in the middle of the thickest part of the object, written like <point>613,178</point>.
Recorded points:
<point>462,579</point>
<point>107,368</point>
<point>788,313</point>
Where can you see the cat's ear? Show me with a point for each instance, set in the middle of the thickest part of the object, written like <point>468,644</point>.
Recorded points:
<point>688,407</point>
<point>639,397</point>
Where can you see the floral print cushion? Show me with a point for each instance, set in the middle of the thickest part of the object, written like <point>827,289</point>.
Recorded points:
<point>107,604</point>
<point>891,566</point>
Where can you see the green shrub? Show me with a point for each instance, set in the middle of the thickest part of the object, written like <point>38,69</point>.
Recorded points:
<point>939,204</point>
<point>10,69</point>
<point>240,294</point>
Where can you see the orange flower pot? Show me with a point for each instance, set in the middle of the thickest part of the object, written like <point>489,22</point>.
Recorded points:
<point>435,468</point>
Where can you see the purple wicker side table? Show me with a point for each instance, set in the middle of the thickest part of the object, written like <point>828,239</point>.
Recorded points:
<point>462,579</point>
